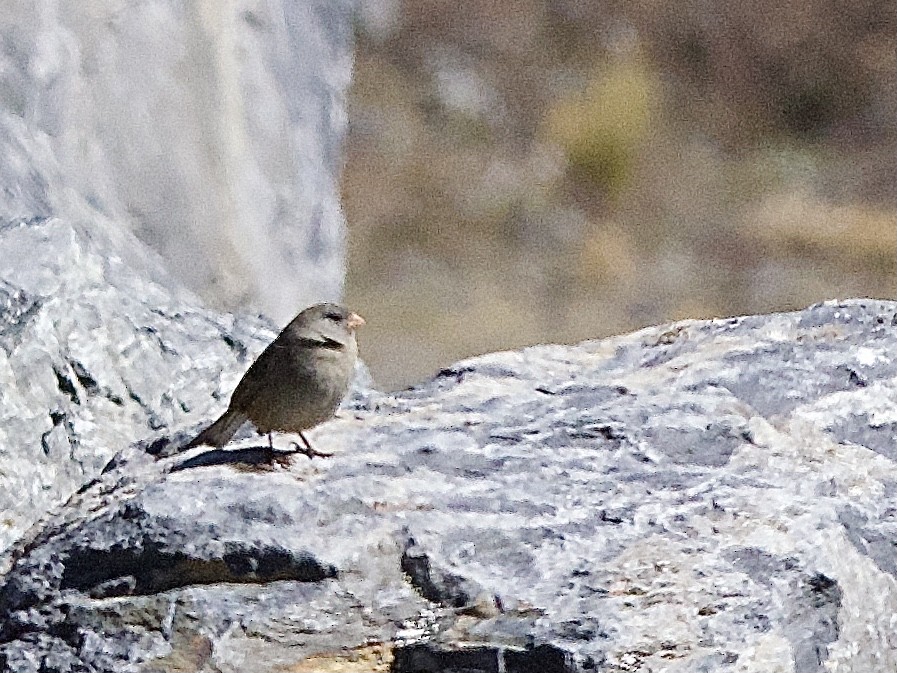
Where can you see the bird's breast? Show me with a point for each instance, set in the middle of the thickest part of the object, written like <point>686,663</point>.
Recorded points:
<point>302,387</point>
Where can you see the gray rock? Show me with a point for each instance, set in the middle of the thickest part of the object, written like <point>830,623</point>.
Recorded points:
<point>707,496</point>
<point>210,130</point>
<point>97,352</point>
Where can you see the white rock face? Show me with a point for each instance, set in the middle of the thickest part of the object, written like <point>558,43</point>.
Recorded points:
<point>211,129</point>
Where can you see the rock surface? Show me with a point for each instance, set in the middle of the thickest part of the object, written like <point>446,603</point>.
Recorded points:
<point>706,496</point>
<point>97,351</point>
<point>211,130</point>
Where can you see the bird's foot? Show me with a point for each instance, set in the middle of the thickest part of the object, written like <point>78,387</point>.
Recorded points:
<point>308,451</point>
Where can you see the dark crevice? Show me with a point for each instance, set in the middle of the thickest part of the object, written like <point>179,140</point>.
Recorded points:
<point>436,586</point>
<point>456,373</point>
<point>157,447</point>
<point>86,487</point>
<point>154,333</point>
<point>236,346</point>
<point>824,590</point>
<point>431,658</point>
<point>57,417</point>
<point>67,631</point>
<point>14,596</point>
<point>60,418</point>
<point>87,382</point>
<point>11,630</point>
<point>148,569</point>
<point>426,658</point>
<point>153,421</point>
<point>135,397</point>
<point>66,386</point>
<point>90,384</point>
<point>541,659</point>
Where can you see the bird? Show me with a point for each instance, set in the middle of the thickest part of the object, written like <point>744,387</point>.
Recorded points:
<point>297,382</point>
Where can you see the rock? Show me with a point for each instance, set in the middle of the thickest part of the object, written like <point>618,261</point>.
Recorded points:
<point>707,496</point>
<point>98,349</point>
<point>212,131</point>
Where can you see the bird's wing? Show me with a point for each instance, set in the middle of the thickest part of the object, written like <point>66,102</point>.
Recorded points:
<point>259,375</point>
<point>269,366</point>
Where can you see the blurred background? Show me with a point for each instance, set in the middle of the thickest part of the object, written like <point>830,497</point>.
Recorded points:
<point>524,171</point>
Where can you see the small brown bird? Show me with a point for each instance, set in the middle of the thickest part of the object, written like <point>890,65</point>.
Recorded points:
<point>297,382</point>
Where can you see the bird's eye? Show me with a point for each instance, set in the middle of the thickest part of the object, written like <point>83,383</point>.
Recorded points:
<point>335,317</point>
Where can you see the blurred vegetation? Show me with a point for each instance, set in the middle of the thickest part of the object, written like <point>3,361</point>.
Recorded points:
<point>602,128</point>
<point>523,171</point>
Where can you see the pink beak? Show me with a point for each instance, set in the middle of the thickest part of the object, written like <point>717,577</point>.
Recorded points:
<point>354,321</point>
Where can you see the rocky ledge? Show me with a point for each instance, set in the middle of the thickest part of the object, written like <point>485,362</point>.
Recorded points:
<point>705,496</point>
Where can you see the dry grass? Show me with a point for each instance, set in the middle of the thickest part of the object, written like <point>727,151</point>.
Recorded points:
<point>526,172</point>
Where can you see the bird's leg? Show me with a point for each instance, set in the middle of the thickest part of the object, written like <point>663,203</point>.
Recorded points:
<point>305,441</point>
<point>270,442</point>
<point>309,450</point>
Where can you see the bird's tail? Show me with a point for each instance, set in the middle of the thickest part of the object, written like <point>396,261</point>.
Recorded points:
<point>219,432</point>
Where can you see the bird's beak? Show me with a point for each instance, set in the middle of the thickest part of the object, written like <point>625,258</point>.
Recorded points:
<point>354,321</point>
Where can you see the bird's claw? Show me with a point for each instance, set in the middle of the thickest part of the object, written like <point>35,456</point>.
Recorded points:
<point>308,451</point>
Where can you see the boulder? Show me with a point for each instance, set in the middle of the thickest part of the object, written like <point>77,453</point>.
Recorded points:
<point>705,496</point>
<point>98,349</point>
